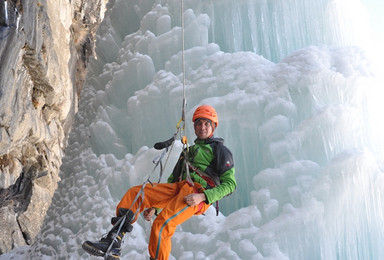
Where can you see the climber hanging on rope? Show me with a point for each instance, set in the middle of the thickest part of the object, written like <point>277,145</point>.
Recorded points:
<point>203,175</point>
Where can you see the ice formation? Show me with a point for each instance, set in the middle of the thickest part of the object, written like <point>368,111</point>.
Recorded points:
<point>296,100</point>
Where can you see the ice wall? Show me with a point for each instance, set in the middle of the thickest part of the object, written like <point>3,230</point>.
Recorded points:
<point>143,80</point>
<point>273,29</point>
<point>300,122</point>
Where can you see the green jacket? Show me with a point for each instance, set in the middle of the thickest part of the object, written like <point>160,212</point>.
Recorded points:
<point>213,158</point>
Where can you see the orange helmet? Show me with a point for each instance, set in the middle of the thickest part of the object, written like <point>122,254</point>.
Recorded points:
<point>206,112</point>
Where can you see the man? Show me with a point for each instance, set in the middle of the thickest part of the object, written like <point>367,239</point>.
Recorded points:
<point>210,177</point>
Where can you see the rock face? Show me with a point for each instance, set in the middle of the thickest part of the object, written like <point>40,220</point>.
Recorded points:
<point>44,49</point>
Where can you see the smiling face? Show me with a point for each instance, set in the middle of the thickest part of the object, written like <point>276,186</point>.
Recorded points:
<point>203,128</point>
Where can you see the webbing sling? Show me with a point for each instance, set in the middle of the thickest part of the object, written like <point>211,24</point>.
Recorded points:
<point>158,161</point>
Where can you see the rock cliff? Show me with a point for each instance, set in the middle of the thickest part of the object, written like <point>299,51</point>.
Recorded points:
<point>44,50</point>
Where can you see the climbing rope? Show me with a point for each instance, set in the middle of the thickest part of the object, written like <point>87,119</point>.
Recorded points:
<point>182,58</point>
<point>184,139</point>
<point>180,126</point>
<point>184,104</point>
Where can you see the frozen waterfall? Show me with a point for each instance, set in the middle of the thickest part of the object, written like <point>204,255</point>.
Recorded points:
<point>297,100</point>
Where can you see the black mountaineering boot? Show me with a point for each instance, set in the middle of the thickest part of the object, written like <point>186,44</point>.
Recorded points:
<point>100,248</point>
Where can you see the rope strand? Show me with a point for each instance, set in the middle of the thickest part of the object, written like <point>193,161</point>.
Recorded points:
<point>183,137</point>
<point>183,61</point>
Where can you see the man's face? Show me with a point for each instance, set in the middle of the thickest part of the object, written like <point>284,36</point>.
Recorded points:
<point>203,128</point>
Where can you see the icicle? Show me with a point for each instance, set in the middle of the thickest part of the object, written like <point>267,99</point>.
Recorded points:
<point>6,12</point>
<point>17,18</point>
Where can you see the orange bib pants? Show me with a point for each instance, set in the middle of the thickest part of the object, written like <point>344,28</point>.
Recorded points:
<point>170,198</point>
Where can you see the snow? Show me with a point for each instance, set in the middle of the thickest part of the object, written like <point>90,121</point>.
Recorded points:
<point>298,106</point>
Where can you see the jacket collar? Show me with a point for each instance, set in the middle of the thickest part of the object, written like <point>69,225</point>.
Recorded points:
<point>209,140</point>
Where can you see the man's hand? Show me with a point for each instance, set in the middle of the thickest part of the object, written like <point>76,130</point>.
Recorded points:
<point>148,213</point>
<point>194,199</point>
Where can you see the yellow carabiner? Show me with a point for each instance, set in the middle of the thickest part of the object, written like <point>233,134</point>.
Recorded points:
<point>178,124</point>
